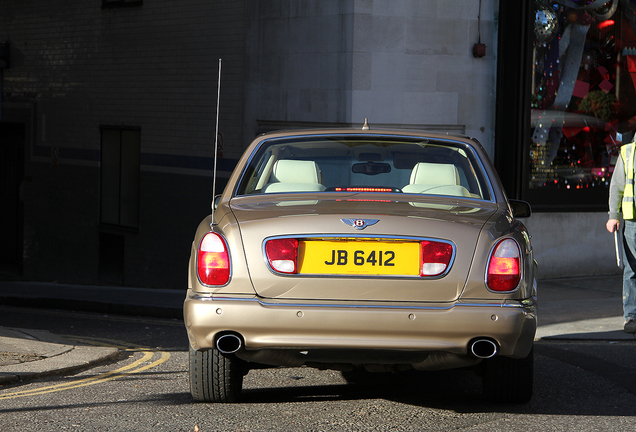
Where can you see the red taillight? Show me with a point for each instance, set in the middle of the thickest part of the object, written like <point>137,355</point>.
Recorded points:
<point>282,255</point>
<point>213,261</point>
<point>504,269</point>
<point>436,257</point>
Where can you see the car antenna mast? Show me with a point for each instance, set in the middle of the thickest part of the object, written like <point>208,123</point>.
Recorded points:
<point>216,137</point>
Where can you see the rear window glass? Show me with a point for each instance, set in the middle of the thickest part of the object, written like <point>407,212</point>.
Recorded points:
<point>364,164</point>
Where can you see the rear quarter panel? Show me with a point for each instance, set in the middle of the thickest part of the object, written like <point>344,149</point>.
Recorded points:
<point>502,225</point>
<point>226,225</point>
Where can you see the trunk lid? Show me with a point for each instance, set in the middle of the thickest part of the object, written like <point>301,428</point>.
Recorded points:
<point>331,220</point>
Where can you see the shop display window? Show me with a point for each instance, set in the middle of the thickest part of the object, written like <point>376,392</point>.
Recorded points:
<point>583,105</point>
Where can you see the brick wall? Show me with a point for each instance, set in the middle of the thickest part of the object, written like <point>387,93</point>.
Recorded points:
<point>154,67</point>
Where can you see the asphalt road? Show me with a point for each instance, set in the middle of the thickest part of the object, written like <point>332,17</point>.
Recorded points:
<point>583,386</point>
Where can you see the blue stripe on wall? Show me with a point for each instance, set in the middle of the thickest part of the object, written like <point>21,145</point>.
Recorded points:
<point>150,159</point>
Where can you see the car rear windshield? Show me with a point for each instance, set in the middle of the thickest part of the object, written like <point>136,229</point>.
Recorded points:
<point>364,164</point>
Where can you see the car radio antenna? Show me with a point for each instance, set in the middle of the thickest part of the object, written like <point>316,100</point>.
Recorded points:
<point>216,137</point>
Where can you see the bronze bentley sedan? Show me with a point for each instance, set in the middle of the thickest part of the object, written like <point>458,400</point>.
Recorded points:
<point>357,250</point>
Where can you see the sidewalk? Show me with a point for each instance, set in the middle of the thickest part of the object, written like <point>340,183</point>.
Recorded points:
<point>582,309</point>
<point>31,354</point>
<point>569,309</point>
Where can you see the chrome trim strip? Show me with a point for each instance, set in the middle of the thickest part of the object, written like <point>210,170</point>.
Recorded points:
<point>214,297</point>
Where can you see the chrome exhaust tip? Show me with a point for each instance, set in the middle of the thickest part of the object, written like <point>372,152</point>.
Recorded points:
<point>229,343</point>
<point>483,348</point>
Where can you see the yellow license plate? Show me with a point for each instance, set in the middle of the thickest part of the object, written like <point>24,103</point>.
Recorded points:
<point>359,258</point>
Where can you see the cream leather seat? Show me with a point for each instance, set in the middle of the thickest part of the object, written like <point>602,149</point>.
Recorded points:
<point>436,179</point>
<point>295,176</point>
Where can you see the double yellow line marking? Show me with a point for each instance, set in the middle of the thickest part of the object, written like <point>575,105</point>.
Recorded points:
<point>137,366</point>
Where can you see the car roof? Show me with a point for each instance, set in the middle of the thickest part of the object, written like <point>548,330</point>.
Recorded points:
<point>412,133</point>
<point>371,132</point>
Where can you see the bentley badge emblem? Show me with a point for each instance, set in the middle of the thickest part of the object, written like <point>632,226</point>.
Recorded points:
<point>360,224</point>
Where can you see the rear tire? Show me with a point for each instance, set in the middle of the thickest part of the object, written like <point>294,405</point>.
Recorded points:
<point>215,377</point>
<point>508,379</point>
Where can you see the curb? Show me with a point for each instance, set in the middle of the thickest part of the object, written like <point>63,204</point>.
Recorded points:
<point>598,329</point>
<point>53,355</point>
<point>75,360</point>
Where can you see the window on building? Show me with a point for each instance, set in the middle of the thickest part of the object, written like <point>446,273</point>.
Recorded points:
<point>583,103</point>
<point>119,177</point>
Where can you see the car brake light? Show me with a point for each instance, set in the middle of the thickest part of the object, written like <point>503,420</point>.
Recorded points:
<point>436,257</point>
<point>282,255</point>
<point>213,262</point>
<point>363,189</point>
<point>504,268</point>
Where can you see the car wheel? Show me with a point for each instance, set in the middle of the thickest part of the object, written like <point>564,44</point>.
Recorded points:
<point>215,377</point>
<point>508,379</point>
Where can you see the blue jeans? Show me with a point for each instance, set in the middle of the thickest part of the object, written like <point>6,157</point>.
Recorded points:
<point>629,273</point>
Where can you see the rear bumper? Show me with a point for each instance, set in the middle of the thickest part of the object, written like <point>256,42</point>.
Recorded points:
<point>304,325</point>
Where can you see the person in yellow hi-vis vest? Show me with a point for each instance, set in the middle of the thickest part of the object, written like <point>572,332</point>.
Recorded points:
<point>621,200</point>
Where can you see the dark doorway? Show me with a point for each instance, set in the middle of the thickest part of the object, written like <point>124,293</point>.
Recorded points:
<point>12,137</point>
<point>111,258</point>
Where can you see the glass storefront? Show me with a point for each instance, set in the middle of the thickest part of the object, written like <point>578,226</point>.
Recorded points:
<point>583,97</point>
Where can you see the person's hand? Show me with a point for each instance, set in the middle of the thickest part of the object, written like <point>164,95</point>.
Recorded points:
<point>612,225</point>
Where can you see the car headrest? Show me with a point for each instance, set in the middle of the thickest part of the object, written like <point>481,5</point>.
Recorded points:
<point>295,171</point>
<point>434,174</point>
